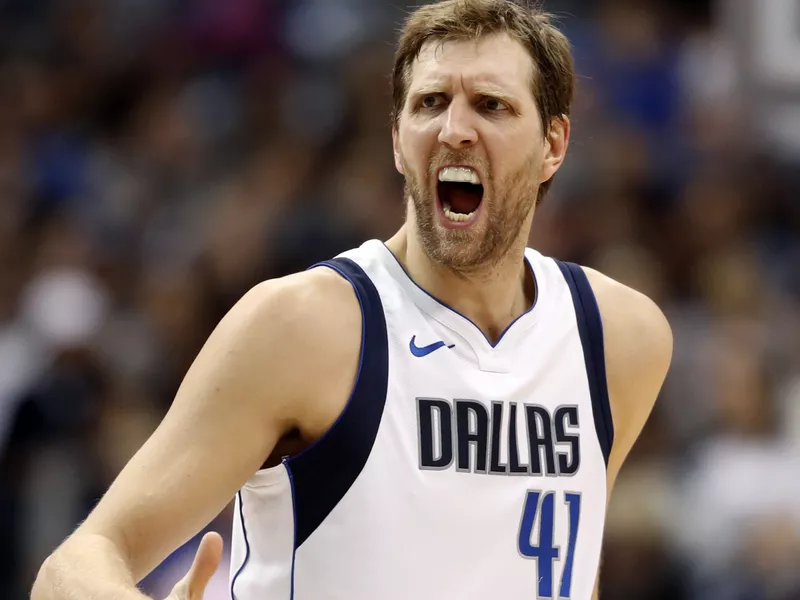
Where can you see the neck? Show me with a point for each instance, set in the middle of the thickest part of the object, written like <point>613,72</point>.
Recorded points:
<point>490,298</point>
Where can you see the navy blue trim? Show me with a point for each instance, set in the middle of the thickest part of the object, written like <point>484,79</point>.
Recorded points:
<point>294,530</point>
<point>590,328</point>
<point>322,473</point>
<point>246,545</point>
<point>466,318</point>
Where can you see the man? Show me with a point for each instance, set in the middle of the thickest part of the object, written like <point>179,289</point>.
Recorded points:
<point>452,408</point>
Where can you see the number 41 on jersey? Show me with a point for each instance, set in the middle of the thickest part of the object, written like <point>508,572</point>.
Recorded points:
<point>542,505</point>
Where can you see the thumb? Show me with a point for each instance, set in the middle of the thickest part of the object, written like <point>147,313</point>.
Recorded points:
<point>206,561</point>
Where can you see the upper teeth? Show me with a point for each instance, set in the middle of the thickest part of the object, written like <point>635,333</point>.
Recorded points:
<point>459,174</point>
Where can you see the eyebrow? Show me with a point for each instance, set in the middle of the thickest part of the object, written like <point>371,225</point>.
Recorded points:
<point>480,90</point>
<point>489,90</point>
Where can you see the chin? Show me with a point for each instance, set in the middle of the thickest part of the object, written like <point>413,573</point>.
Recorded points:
<point>463,250</point>
<point>466,246</point>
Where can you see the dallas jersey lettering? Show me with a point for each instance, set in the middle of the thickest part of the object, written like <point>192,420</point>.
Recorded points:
<point>458,469</point>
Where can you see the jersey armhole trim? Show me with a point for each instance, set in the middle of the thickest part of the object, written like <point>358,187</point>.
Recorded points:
<point>323,473</point>
<point>590,329</point>
<point>246,545</point>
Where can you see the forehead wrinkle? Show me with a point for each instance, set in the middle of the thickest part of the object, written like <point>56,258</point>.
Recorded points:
<point>431,71</point>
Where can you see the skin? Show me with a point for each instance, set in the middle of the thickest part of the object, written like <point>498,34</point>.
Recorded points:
<point>248,389</point>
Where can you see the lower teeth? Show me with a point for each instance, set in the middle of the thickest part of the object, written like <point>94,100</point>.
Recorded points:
<point>457,217</point>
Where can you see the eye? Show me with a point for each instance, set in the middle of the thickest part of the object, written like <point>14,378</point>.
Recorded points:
<point>494,105</point>
<point>431,101</point>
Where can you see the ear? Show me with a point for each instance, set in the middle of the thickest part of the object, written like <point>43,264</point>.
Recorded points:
<point>398,164</point>
<point>557,141</point>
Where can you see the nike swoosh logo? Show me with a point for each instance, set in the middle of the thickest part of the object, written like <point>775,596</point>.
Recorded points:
<point>420,351</point>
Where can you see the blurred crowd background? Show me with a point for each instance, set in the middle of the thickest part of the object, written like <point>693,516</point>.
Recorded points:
<point>159,157</point>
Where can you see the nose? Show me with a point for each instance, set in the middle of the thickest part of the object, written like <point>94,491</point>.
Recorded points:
<point>458,130</point>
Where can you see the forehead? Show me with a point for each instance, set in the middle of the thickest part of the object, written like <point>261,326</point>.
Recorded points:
<point>498,60</point>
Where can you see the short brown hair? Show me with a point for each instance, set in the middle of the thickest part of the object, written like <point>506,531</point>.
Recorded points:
<point>446,20</point>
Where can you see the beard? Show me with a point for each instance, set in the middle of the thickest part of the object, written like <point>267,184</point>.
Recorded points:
<point>482,246</point>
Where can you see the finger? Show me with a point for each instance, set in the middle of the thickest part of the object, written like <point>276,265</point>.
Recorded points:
<point>205,563</point>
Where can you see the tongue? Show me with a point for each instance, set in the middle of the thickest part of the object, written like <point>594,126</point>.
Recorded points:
<point>464,198</point>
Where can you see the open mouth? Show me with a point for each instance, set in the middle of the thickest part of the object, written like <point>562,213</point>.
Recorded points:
<point>460,200</point>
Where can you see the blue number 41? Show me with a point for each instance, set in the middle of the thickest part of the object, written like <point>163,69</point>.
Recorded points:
<point>546,553</point>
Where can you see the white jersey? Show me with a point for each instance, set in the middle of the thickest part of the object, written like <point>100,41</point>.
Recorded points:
<point>458,469</point>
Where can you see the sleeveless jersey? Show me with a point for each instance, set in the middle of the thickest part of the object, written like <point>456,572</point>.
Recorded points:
<point>458,469</point>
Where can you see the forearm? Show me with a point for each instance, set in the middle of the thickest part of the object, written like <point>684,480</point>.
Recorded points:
<point>86,567</point>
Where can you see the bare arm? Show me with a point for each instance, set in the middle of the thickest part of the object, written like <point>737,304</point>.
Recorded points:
<point>638,352</point>
<point>246,388</point>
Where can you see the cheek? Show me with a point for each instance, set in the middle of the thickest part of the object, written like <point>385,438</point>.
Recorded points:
<point>519,159</point>
<point>417,145</point>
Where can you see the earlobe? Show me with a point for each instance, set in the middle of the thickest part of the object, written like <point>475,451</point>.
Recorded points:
<point>557,144</point>
<point>398,163</point>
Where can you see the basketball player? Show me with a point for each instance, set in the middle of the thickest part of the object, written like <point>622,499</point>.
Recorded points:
<point>448,410</point>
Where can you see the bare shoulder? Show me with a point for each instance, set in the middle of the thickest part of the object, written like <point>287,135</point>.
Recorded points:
<point>317,306</point>
<point>635,329</point>
<point>638,351</point>
<point>287,353</point>
<point>313,319</point>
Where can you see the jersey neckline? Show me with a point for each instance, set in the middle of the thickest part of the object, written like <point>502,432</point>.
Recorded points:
<point>458,322</point>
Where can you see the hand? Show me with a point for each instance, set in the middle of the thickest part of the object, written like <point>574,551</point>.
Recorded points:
<point>205,564</point>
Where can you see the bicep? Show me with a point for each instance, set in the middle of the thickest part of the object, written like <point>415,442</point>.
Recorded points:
<point>225,419</point>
